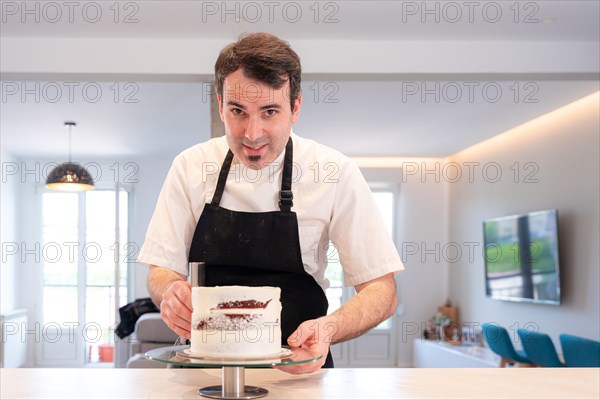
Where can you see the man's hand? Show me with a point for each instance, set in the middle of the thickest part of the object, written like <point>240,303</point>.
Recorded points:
<point>173,294</point>
<point>310,340</point>
<point>374,302</point>
<point>176,308</point>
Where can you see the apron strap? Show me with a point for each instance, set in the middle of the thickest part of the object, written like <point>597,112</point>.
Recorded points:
<point>216,200</point>
<point>285,195</point>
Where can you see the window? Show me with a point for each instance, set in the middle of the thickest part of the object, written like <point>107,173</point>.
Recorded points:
<point>81,235</point>
<point>60,268</point>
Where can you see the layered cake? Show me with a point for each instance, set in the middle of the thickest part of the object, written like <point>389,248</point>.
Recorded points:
<point>236,321</point>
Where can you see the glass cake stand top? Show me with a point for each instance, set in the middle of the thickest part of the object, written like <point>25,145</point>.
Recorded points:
<point>180,355</point>
<point>232,374</point>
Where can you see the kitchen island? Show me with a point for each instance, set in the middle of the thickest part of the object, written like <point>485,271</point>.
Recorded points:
<point>339,383</point>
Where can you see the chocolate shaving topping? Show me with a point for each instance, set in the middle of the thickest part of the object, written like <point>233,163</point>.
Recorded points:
<point>237,316</point>
<point>242,304</point>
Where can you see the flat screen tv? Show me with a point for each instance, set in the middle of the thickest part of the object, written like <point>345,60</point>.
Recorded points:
<point>521,257</point>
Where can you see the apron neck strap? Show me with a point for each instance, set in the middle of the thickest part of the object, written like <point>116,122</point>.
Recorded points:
<point>216,200</point>
<point>285,194</point>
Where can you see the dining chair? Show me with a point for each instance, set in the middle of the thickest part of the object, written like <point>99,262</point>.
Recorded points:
<point>580,352</point>
<point>499,342</point>
<point>539,348</point>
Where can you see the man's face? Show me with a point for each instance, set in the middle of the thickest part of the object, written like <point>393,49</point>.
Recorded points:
<point>258,119</point>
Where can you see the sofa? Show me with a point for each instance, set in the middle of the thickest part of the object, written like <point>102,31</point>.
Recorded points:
<point>150,332</point>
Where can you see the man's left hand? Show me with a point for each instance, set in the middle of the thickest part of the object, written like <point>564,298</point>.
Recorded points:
<point>310,340</point>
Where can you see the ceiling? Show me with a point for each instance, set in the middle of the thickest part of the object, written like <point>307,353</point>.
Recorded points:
<point>366,114</point>
<point>545,20</point>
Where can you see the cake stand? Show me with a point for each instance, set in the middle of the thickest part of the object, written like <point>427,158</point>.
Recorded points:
<point>232,370</point>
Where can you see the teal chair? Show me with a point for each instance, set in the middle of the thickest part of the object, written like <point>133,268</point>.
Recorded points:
<point>580,352</point>
<point>499,342</point>
<point>539,348</point>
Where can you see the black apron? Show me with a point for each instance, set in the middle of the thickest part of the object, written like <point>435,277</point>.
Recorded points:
<point>259,249</point>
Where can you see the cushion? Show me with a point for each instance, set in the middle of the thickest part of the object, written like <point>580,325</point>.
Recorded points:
<point>151,328</point>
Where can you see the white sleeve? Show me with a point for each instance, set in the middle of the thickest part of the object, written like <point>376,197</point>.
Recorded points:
<point>365,248</point>
<point>172,226</point>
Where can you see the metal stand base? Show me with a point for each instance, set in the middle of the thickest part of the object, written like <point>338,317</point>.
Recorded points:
<point>232,388</point>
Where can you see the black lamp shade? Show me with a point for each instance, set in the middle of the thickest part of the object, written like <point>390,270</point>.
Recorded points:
<point>69,177</point>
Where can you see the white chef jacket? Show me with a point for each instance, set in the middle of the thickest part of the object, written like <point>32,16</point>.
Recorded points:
<point>332,201</point>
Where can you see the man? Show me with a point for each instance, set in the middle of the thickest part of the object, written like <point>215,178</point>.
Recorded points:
<point>266,218</point>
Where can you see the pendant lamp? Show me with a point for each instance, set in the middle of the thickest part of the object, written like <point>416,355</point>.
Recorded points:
<point>69,176</point>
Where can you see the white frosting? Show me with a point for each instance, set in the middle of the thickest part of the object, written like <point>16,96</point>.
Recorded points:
<point>236,321</point>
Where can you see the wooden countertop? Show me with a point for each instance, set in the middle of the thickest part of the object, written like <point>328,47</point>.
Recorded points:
<point>339,383</point>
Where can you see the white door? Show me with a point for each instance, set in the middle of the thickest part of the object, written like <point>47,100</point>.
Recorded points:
<point>82,264</point>
<point>377,348</point>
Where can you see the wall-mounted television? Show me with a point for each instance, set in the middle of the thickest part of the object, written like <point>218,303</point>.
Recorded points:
<point>521,257</point>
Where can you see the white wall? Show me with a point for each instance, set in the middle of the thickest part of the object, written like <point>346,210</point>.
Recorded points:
<point>29,259</point>
<point>421,226</point>
<point>9,185</point>
<point>563,147</point>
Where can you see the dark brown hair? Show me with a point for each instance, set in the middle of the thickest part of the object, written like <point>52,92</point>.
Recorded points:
<point>263,57</point>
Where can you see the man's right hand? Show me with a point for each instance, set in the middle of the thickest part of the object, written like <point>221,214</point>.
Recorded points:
<point>174,295</point>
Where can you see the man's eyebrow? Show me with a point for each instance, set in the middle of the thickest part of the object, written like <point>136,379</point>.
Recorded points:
<point>235,104</point>
<point>270,106</point>
<point>265,107</point>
